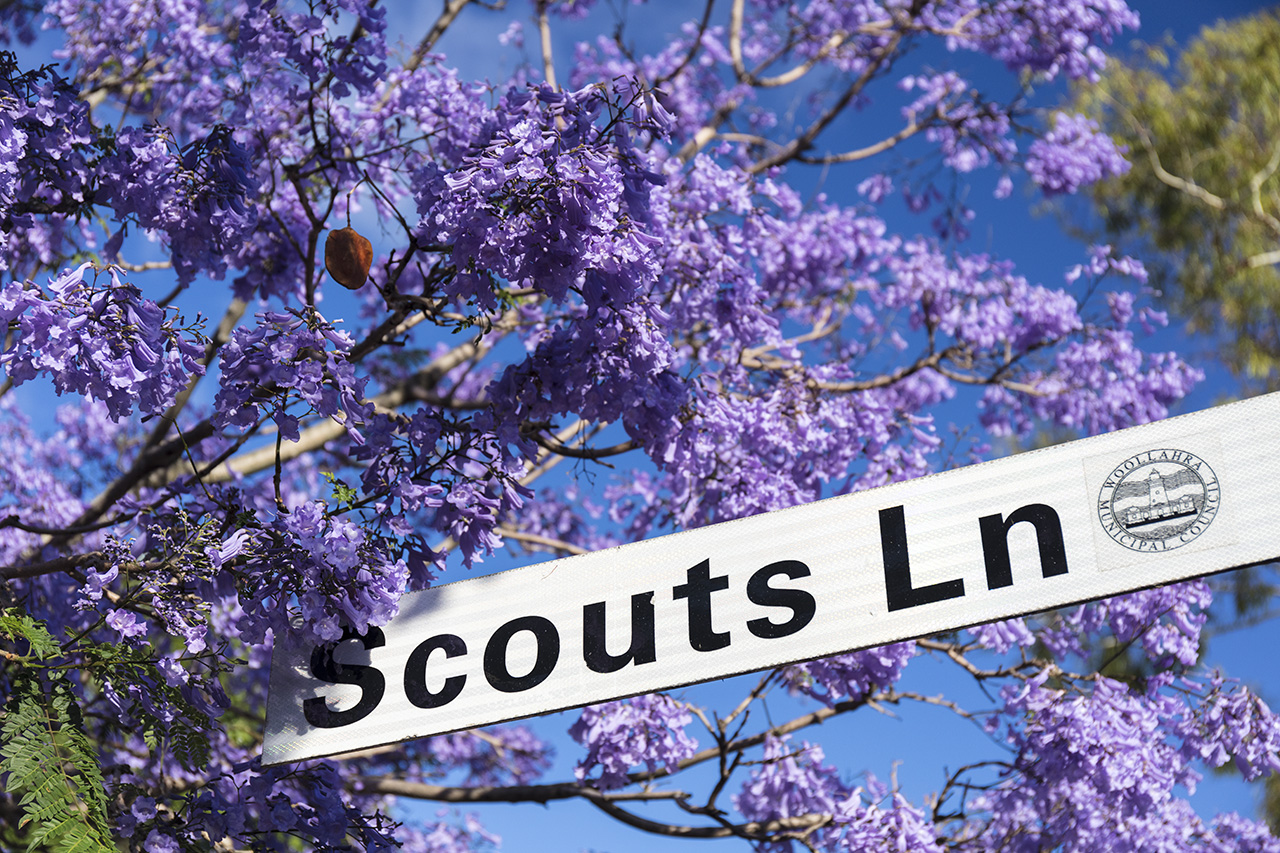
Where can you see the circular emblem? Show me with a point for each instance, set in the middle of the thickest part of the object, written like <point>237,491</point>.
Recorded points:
<point>1158,500</point>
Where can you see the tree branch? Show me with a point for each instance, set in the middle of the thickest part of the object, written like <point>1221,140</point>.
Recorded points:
<point>757,830</point>
<point>544,33</point>
<point>1265,259</point>
<point>694,47</point>
<point>805,140</point>
<point>869,151</point>
<point>451,10</point>
<point>58,564</point>
<point>604,801</point>
<point>1255,189</point>
<point>1191,188</point>
<point>882,381</point>
<point>510,532</point>
<point>585,452</point>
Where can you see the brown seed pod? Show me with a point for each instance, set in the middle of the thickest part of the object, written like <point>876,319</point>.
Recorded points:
<point>347,257</point>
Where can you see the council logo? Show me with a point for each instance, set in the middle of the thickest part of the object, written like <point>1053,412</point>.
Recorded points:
<point>1158,500</point>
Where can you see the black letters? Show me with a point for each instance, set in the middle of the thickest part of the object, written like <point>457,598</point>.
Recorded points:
<point>495,654</point>
<point>698,590</point>
<point>801,603</point>
<point>995,543</point>
<point>897,567</point>
<point>415,672</point>
<point>642,649</point>
<point>785,608</point>
<point>370,681</point>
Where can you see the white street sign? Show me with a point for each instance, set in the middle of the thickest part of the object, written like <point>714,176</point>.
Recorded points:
<point>1124,511</point>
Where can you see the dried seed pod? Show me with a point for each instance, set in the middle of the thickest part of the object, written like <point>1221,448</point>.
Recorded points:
<point>347,257</point>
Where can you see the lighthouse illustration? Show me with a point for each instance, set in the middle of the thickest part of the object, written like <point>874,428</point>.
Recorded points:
<point>1159,507</point>
<point>1155,488</point>
<point>1158,500</point>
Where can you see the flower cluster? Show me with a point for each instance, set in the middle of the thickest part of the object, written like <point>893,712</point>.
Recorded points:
<point>290,356</point>
<point>1099,770</point>
<point>1166,620</point>
<point>174,44</point>
<point>198,198</point>
<point>52,477</point>
<point>444,837</point>
<point>1073,154</point>
<point>249,800</point>
<point>431,472</point>
<point>648,730</point>
<point>968,133</point>
<point>326,569</point>
<point>1043,36</point>
<point>46,157</point>
<point>545,200</point>
<point>854,675</point>
<point>1004,635</point>
<point>15,22</point>
<point>275,38</point>
<point>103,341</point>
<point>1231,723</point>
<point>792,782</point>
<point>551,202</point>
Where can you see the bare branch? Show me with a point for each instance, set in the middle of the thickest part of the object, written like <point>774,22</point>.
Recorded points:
<point>869,151</point>
<point>546,459</point>
<point>606,802</point>
<point>471,794</point>
<point>693,48</point>
<point>544,32</point>
<point>805,140</point>
<point>735,42</point>
<point>1255,189</point>
<point>1265,259</point>
<point>146,266</point>
<point>317,436</point>
<point>510,532</point>
<point>760,830</point>
<point>756,693</point>
<point>956,653</point>
<point>1191,188</point>
<point>58,564</point>
<point>821,329</point>
<point>994,379</point>
<point>451,10</point>
<point>882,381</point>
<point>585,452</point>
<point>834,41</point>
<point>150,460</point>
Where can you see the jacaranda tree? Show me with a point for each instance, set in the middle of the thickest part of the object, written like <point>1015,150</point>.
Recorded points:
<point>613,264</point>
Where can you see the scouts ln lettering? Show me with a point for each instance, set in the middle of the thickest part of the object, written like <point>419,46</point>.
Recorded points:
<point>697,591</point>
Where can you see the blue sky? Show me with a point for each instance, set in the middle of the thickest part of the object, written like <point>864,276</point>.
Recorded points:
<point>923,740</point>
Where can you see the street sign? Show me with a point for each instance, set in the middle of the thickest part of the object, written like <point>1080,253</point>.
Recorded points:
<point>1132,509</point>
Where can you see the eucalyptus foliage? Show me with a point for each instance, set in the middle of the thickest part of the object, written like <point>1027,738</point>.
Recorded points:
<point>1201,123</point>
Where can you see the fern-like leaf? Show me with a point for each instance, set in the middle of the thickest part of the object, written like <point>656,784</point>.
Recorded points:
<point>47,757</point>
<point>17,625</point>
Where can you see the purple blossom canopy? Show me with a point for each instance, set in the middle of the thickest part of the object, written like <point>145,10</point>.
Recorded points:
<point>606,302</point>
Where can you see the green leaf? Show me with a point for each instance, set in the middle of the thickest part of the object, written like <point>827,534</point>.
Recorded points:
<point>49,761</point>
<point>17,625</point>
